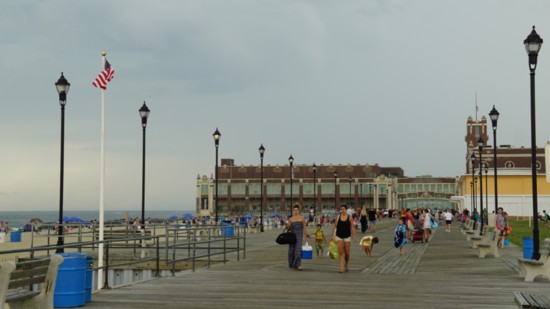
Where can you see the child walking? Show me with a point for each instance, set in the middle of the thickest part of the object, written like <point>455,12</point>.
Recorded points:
<point>320,240</point>
<point>399,238</point>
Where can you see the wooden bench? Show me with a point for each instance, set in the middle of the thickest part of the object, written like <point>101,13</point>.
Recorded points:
<point>530,269</point>
<point>527,300</point>
<point>483,238</point>
<point>490,246</point>
<point>28,274</point>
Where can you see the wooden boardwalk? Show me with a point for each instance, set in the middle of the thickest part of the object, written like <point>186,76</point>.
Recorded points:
<point>444,273</point>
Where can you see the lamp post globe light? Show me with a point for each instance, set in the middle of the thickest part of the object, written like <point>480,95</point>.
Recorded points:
<point>262,151</point>
<point>533,43</point>
<point>480,148</point>
<point>62,86</point>
<point>494,119</point>
<point>291,161</point>
<point>314,168</point>
<point>144,114</point>
<point>217,135</point>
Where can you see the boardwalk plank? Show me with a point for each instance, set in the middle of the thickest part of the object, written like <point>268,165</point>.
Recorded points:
<point>445,266</point>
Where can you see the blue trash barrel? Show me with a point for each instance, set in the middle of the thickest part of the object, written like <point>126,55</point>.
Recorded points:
<point>527,248</point>
<point>69,287</point>
<point>227,228</point>
<point>15,236</point>
<point>89,276</point>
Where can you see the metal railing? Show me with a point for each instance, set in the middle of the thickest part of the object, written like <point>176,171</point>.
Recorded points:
<point>179,244</point>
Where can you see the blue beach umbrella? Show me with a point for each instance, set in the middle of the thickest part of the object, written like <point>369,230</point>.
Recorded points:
<point>172,217</point>
<point>248,215</point>
<point>188,216</point>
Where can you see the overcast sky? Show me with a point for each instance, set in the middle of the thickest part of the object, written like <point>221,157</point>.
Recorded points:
<point>358,82</point>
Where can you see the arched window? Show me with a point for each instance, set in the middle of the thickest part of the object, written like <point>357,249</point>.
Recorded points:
<point>538,165</point>
<point>509,164</point>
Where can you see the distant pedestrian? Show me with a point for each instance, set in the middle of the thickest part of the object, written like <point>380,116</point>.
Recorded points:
<point>501,225</point>
<point>363,219</point>
<point>296,224</point>
<point>341,233</point>
<point>372,220</point>
<point>426,224</point>
<point>400,239</point>
<point>448,220</point>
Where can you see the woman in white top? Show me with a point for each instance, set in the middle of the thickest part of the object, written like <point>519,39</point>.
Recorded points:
<point>427,224</point>
<point>448,219</point>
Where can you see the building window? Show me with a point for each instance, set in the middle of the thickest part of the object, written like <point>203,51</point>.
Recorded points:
<point>538,165</point>
<point>238,188</point>
<point>327,188</point>
<point>254,189</point>
<point>273,188</point>
<point>509,164</point>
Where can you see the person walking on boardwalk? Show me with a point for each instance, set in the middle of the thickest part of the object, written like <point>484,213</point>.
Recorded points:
<point>363,219</point>
<point>320,240</point>
<point>400,239</point>
<point>296,224</point>
<point>427,224</point>
<point>501,225</point>
<point>341,232</point>
<point>372,220</point>
<point>448,219</point>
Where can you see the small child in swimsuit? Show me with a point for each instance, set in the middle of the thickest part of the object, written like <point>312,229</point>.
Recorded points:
<point>367,243</point>
<point>320,240</point>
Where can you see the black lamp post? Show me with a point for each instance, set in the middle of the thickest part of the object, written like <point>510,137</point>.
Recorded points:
<point>335,190</point>
<point>533,43</point>
<point>314,168</point>
<point>480,148</point>
<point>472,188</point>
<point>473,160</point>
<point>350,179</point>
<point>494,118</point>
<point>370,194</point>
<point>62,86</point>
<point>291,161</point>
<point>361,195</point>
<point>217,135</point>
<point>262,150</point>
<point>143,113</point>
<point>487,192</point>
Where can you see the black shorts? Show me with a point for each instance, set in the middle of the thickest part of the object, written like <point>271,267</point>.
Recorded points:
<point>448,221</point>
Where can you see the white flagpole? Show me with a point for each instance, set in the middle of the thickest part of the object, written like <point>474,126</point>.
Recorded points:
<point>101,184</point>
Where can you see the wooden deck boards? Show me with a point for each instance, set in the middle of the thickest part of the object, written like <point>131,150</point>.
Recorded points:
<point>444,273</point>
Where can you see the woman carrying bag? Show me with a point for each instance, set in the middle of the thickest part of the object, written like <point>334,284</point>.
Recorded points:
<point>297,224</point>
<point>341,233</point>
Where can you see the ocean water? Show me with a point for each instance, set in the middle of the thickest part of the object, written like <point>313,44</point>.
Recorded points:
<point>18,219</point>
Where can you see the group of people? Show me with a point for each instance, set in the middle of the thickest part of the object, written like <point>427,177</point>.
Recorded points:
<point>343,231</point>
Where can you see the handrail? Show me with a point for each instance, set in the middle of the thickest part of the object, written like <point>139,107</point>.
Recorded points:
<point>191,243</point>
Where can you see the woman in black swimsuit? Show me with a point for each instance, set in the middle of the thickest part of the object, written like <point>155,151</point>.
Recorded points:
<point>344,228</point>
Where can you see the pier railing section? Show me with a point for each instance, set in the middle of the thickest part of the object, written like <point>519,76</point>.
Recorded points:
<point>163,249</point>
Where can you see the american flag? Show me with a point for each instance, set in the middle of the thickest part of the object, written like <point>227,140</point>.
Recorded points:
<point>104,77</point>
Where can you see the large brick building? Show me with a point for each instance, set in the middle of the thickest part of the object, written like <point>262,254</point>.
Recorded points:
<point>514,176</point>
<point>322,189</point>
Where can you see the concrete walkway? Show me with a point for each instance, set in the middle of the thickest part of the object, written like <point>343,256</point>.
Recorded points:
<point>444,273</point>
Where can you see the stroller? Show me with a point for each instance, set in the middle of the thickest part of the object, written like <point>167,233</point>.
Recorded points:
<point>418,232</point>
<point>418,235</point>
